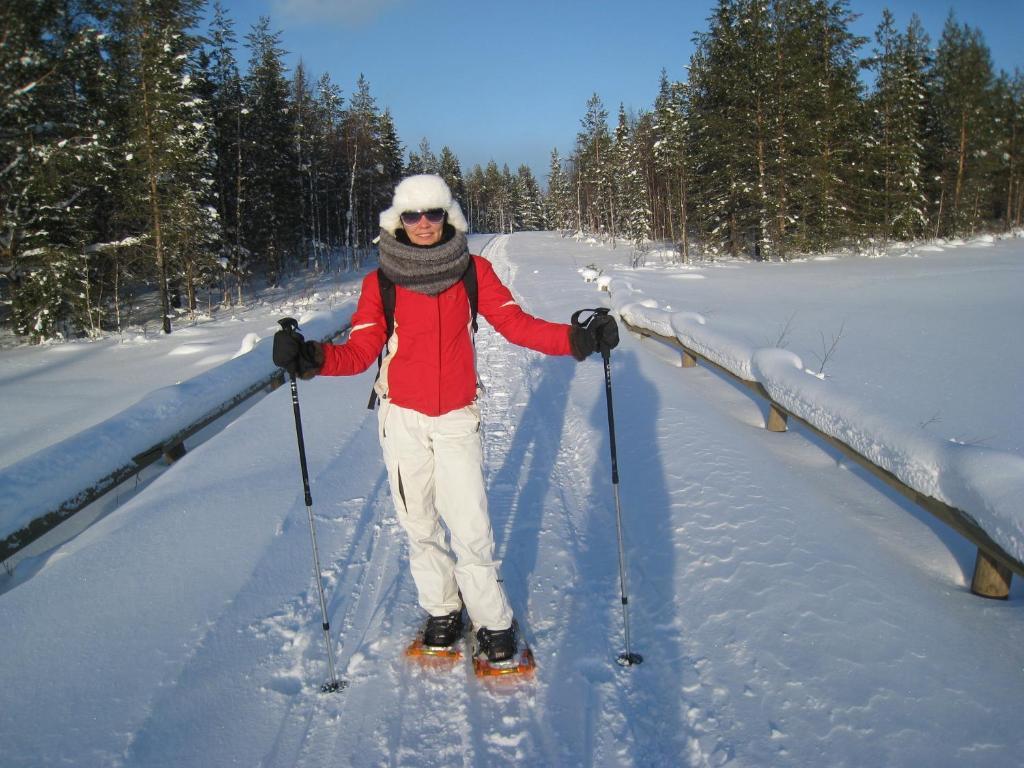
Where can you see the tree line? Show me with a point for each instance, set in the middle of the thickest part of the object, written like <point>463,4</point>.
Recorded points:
<point>773,146</point>
<point>136,154</point>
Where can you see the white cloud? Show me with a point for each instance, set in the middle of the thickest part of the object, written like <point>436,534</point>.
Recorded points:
<point>346,11</point>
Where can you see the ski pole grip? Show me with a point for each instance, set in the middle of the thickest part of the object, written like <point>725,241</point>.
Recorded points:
<point>593,313</point>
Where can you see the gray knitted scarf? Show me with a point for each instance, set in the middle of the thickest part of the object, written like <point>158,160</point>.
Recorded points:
<point>428,270</point>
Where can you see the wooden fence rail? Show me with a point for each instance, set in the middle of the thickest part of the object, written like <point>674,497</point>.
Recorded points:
<point>994,566</point>
<point>168,448</point>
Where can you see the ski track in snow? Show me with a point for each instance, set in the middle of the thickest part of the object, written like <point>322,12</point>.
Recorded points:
<point>394,712</point>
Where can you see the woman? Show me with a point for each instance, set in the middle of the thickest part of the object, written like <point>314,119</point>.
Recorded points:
<point>429,422</point>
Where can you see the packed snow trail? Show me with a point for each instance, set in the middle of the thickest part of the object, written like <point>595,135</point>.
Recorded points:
<point>789,612</point>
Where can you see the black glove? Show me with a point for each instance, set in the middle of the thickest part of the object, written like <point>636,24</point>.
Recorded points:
<point>598,333</point>
<point>606,333</point>
<point>581,342</point>
<point>296,355</point>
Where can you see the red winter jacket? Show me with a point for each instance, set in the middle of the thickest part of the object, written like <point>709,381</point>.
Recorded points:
<point>429,366</point>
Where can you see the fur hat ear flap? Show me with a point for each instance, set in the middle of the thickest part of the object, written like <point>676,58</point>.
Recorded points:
<point>422,193</point>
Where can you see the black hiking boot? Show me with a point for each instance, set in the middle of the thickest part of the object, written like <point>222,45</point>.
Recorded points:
<point>497,644</point>
<point>443,631</point>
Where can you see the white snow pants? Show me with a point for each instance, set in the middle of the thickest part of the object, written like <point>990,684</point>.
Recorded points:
<point>435,471</point>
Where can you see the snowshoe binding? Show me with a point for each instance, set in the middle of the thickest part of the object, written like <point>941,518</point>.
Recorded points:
<point>439,638</point>
<point>502,652</point>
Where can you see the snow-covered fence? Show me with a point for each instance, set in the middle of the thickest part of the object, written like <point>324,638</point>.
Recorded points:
<point>45,489</point>
<point>977,491</point>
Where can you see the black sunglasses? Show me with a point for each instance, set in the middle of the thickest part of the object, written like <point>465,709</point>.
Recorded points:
<point>434,216</point>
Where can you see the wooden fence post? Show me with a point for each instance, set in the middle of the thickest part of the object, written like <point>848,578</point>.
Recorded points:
<point>777,421</point>
<point>991,578</point>
<point>689,361</point>
<point>171,453</point>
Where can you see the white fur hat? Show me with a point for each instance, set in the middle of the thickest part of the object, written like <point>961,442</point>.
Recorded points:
<point>421,193</point>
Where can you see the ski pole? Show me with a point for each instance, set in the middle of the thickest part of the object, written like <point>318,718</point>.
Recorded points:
<point>626,658</point>
<point>333,684</point>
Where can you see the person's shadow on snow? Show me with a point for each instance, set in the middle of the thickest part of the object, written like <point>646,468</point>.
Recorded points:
<point>517,504</point>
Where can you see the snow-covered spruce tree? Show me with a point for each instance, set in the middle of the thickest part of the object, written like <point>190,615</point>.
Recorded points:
<point>531,207</point>
<point>449,169</point>
<point>730,98</point>
<point>1009,186</point>
<point>271,193</point>
<point>897,203</point>
<point>670,161</point>
<point>513,201</point>
<point>961,132</point>
<point>632,204</point>
<point>414,165</point>
<point>307,140</point>
<point>642,140</point>
<point>195,233</point>
<point>322,153</point>
<point>166,148</point>
<point>618,158</point>
<point>559,200</point>
<point>593,175</point>
<point>227,106</point>
<point>54,155</point>
<point>821,56</point>
<point>360,135</point>
<point>476,199</point>
<point>422,161</point>
<point>387,155</point>
<point>496,203</point>
<point>26,63</point>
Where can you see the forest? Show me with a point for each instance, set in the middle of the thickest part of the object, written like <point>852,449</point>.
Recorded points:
<point>140,156</point>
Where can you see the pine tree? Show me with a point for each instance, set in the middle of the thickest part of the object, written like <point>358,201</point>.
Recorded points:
<point>671,158</point>
<point>476,200</point>
<point>1009,187</point>
<point>306,140</point>
<point>388,154</point>
<point>448,168</point>
<point>194,231</point>
<point>896,149</point>
<point>167,156</point>
<point>618,171</point>
<point>821,52</point>
<point>269,205</point>
<point>531,208</point>
<point>54,152</point>
<point>324,158</point>
<point>512,202</point>
<point>592,161</point>
<point>559,202</point>
<point>731,90</point>
<point>227,106</point>
<point>359,129</point>
<point>631,147</point>
<point>423,161</point>
<point>496,209</point>
<point>961,137</point>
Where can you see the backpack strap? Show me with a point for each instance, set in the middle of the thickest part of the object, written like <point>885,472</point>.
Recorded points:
<point>387,299</point>
<point>469,281</point>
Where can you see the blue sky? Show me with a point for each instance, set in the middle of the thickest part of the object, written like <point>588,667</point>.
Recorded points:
<point>510,81</point>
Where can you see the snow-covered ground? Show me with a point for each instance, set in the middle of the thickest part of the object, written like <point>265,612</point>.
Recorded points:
<point>918,412</point>
<point>789,610</point>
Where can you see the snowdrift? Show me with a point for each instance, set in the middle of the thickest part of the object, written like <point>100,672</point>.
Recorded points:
<point>62,475</point>
<point>986,484</point>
